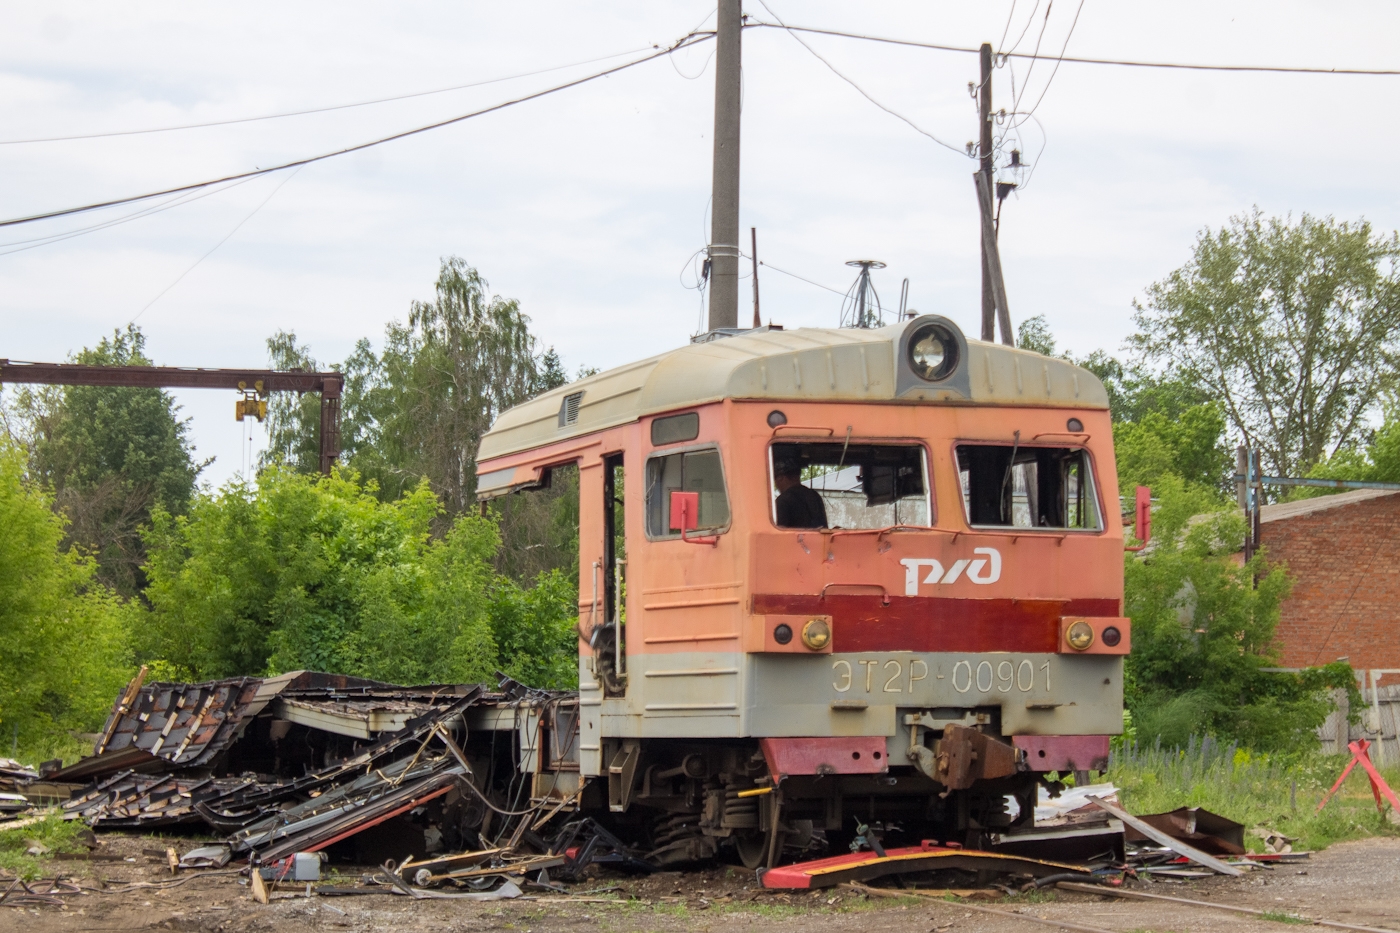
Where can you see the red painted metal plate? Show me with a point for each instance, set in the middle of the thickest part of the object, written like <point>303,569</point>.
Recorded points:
<point>1064,752</point>
<point>826,755</point>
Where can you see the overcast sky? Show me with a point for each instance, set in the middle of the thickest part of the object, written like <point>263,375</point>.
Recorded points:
<point>588,205</point>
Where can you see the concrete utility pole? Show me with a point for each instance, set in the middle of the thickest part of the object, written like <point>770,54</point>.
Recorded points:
<point>984,149</point>
<point>724,217</point>
<point>994,308</point>
<point>757,321</point>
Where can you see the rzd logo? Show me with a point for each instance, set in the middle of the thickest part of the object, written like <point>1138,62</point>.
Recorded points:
<point>980,570</point>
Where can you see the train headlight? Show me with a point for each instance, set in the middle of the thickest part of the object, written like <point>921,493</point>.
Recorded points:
<point>816,634</point>
<point>1080,636</point>
<point>933,352</point>
<point>782,633</point>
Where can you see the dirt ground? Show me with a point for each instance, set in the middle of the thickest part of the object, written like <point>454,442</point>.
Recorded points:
<point>1354,883</point>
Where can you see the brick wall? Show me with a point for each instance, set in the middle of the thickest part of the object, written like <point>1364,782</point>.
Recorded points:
<point>1345,564</point>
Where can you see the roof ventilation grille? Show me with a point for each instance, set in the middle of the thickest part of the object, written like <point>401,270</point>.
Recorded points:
<point>568,411</point>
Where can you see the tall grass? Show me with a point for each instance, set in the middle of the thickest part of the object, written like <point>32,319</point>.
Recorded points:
<point>1280,792</point>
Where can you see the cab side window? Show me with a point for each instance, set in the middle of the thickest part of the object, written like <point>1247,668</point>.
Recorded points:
<point>692,471</point>
<point>1028,487</point>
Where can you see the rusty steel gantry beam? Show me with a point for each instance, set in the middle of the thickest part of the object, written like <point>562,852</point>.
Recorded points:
<point>263,381</point>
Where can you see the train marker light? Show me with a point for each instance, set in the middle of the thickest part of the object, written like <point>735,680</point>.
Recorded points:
<point>783,633</point>
<point>776,419</point>
<point>933,353</point>
<point>1112,636</point>
<point>816,634</point>
<point>1080,636</point>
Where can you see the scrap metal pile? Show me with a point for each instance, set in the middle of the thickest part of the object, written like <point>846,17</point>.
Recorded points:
<point>319,763</point>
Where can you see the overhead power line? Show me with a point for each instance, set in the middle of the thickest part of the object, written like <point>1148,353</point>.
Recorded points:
<point>684,42</point>
<point>327,109</point>
<point>863,92</point>
<point>1275,69</point>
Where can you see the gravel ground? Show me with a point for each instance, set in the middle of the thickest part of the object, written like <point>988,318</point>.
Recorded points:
<point>1356,883</point>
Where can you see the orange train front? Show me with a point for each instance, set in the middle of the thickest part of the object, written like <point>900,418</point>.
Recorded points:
<point>830,578</point>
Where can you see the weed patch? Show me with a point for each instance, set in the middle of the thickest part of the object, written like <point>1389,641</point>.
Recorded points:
<point>49,836</point>
<point>1280,792</point>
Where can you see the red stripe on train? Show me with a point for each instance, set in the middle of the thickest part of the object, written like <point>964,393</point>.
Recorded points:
<point>928,623</point>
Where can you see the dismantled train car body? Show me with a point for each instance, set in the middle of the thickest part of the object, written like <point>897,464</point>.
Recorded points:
<point>933,623</point>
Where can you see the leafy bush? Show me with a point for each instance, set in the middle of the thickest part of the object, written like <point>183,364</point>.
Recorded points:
<point>1203,628</point>
<point>65,635</point>
<point>305,572</point>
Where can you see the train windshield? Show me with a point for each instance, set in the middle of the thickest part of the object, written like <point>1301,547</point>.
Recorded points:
<point>840,485</point>
<point>1028,487</point>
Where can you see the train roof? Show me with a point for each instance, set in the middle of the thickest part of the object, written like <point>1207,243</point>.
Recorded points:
<point>806,364</point>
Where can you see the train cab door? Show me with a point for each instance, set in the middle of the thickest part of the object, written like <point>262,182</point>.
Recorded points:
<point>610,638</point>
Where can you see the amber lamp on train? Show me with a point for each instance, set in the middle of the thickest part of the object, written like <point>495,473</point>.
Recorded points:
<point>816,634</point>
<point>1080,636</point>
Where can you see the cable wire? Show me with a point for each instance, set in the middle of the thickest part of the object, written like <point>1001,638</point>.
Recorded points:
<point>958,149</point>
<point>1275,69</point>
<point>169,203</point>
<point>327,109</point>
<point>227,237</point>
<point>1056,70</point>
<point>834,291</point>
<point>683,42</point>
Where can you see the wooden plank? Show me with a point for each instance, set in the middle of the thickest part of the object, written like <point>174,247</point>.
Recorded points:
<point>1176,845</point>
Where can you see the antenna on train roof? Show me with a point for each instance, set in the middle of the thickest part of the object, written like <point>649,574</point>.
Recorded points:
<point>861,306</point>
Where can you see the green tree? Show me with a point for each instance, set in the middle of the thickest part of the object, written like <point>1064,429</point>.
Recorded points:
<point>419,409</point>
<point>111,456</point>
<point>1294,327</point>
<point>319,573</point>
<point>1034,334</point>
<point>65,635</point>
<point>1189,445</point>
<point>293,420</point>
<point>1161,426</point>
<point>1203,634</point>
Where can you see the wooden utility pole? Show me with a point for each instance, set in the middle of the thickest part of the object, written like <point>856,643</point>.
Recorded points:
<point>992,257</point>
<point>724,216</point>
<point>984,150</point>
<point>753,233</point>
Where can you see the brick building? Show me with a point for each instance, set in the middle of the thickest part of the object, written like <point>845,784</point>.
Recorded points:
<point>1341,551</point>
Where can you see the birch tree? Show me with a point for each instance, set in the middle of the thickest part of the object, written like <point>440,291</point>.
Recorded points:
<point>1293,327</point>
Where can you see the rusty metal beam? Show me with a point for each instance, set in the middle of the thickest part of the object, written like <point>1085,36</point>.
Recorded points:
<point>169,377</point>
<point>328,385</point>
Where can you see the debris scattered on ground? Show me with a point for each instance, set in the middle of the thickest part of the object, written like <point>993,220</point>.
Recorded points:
<point>1209,832</point>
<point>1161,838</point>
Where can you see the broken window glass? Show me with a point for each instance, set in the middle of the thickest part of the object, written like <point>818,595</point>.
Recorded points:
<point>692,471</point>
<point>1028,487</point>
<point>855,485</point>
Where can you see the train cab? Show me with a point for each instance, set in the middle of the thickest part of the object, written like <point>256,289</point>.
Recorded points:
<point>826,564</point>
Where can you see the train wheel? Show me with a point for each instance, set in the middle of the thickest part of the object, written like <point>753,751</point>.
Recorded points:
<point>752,848</point>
